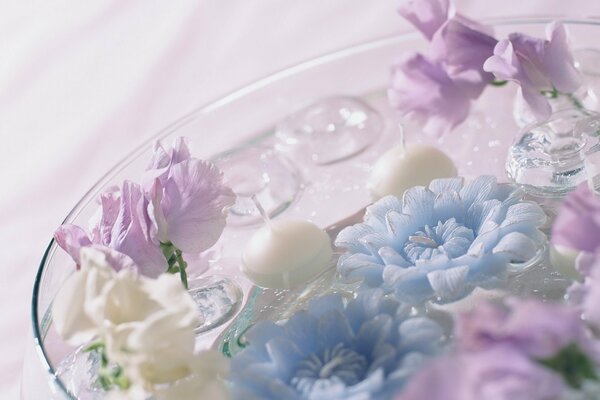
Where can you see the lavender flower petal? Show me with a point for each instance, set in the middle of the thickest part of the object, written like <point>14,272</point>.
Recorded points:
<point>72,238</point>
<point>577,225</point>
<point>162,159</point>
<point>536,329</point>
<point>192,207</point>
<point>423,87</point>
<point>464,45</point>
<point>537,65</point>
<point>499,373</point>
<point>122,233</point>
<point>427,16</point>
<point>130,233</point>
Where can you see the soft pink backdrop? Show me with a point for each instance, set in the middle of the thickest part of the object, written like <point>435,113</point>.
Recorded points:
<point>82,83</point>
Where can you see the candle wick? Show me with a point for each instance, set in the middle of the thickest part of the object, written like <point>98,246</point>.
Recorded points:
<point>262,211</point>
<point>402,142</point>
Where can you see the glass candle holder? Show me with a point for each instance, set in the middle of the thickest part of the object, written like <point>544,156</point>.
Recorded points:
<point>549,159</point>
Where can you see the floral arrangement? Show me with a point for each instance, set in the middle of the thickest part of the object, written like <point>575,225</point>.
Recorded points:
<point>178,208</point>
<point>123,302</point>
<point>142,329</point>
<point>464,58</point>
<point>126,301</point>
<point>523,349</point>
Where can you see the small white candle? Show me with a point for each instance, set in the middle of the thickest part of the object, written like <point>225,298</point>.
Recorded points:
<point>284,254</point>
<point>400,169</point>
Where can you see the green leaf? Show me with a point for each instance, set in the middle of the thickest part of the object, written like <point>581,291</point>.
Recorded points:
<point>104,383</point>
<point>95,346</point>
<point>573,364</point>
<point>119,378</point>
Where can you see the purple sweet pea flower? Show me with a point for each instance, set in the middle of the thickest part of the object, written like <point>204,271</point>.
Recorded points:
<point>188,199</point>
<point>537,65</point>
<point>524,351</point>
<point>586,295</point>
<point>456,41</point>
<point>163,159</point>
<point>423,88</point>
<point>498,373</point>
<point>577,225</point>
<point>440,86</point>
<point>427,16</point>
<point>124,226</point>
<point>536,329</point>
<point>72,238</point>
<point>464,45</point>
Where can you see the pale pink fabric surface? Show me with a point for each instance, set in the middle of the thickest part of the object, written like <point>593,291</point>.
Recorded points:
<point>82,83</point>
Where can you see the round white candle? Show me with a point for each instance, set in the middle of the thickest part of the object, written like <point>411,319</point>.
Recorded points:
<point>400,169</point>
<point>563,259</point>
<point>284,254</point>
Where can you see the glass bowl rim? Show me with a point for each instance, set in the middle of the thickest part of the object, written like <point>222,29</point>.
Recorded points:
<point>220,102</point>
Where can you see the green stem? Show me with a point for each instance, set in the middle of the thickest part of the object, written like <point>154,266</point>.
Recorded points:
<point>109,376</point>
<point>576,102</point>
<point>177,264</point>
<point>551,94</point>
<point>182,268</point>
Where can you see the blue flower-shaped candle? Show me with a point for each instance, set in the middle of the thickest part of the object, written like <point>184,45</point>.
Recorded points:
<point>363,348</point>
<point>442,241</point>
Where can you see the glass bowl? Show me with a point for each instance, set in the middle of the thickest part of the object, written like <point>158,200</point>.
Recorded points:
<point>326,193</point>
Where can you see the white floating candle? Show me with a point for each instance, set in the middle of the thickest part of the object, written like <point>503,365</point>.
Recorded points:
<point>284,254</point>
<point>400,169</point>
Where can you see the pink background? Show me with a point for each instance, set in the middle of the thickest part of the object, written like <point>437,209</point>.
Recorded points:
<point>82,83</point>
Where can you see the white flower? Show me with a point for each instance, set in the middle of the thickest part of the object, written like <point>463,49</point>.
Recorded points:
<point>156,343</point>
<point>73,307</point>
<point>146,326</point>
